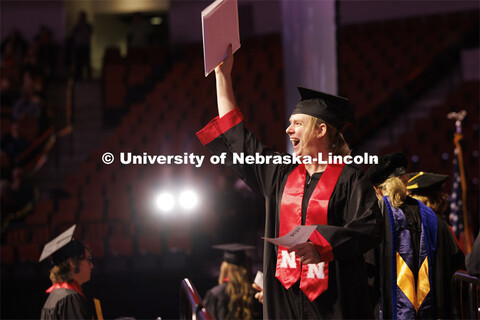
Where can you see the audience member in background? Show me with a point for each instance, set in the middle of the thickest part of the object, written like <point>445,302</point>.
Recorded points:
<point>139,31</point>
<point>27,104</point>
<point>17,194</point>
<point>73,265</point>
<point>233,297</point>
<point>427,187</point>
<point>82,33</point>
<point>13,48</point>
<point>8,94</point>
<point>45,50</point>
<point>419,252</point>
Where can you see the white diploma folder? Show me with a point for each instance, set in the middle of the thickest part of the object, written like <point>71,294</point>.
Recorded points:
<point>219,29</point>
<point>298,234</point>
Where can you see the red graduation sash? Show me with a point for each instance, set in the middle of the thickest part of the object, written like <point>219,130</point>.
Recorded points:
<point>313,281</point>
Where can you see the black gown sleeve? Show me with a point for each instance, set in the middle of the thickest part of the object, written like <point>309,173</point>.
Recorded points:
<point>216,302</point>
<point>228,135</point>
<point>355,221</point>
<point>67,304</point>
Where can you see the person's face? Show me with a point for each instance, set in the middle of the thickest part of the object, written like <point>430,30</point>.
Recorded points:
<point>85,268</point>
<point>304,143</point>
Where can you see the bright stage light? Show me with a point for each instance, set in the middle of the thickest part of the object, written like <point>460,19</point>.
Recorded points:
<point>188,199</point>
<point>165,202</point>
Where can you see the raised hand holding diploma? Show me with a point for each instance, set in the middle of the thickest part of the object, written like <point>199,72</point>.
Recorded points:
<point>220,29</point>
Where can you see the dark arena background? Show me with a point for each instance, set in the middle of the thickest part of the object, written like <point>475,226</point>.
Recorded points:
<point>136,84</point>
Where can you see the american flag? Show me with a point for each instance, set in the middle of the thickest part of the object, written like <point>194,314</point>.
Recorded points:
<point>458,210</point>
<point>456,203</point>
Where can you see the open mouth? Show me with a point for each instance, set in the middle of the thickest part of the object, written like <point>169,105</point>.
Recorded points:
<point>295,141</point>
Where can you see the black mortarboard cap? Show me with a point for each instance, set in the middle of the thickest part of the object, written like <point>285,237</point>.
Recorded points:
<point>390,165</point>
<point>63,247</point>
<point>334,110</point>
<point>424,181</point>
<point>234,252</point>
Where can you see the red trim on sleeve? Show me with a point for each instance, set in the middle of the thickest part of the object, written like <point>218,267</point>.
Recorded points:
<point>219,126</point>
<point>323,246</point>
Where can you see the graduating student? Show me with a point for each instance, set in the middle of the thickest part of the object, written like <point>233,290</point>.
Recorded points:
<point>73,265</point>
<point>427,187</point>
<point>325,277</point>
<point>233,297</point>
<point>419,254</point>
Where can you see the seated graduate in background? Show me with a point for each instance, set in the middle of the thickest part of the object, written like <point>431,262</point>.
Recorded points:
<point>233,297</point>
<point>419,254</point>
<point>73,265</point>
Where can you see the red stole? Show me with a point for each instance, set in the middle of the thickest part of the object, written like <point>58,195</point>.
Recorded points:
<point>65,285</point>
<point>313,282</point>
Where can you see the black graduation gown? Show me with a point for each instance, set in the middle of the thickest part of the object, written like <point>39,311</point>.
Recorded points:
<point>66,304</point>
<point>355,225</point>
<point>216,301</point>
<point>448,259</point>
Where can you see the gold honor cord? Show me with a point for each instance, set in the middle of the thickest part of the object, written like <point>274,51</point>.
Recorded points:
<point>406,282</point>
<point>414,186</point>
<point>98,309</point>
<point>456,140</point>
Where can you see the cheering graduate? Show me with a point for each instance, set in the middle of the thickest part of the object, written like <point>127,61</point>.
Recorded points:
<point>72,262</point>
<point>419,254</point>
<point>325,277</point>
<point>233,297</point>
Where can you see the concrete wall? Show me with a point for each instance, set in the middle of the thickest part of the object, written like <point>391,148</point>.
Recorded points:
<point>309,47</point>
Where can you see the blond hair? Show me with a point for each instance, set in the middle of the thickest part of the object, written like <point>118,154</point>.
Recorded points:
<point>395,189</point>
<point>61,272</point>
<point>436,200</point>
<point>238,289</point>
<point>336,142</point>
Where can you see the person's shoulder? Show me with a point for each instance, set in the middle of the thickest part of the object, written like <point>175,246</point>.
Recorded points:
<point>353,169</point>
<point>61,294</point>
<point>352,172</point>
<point>218,289</point>
<point>411,203</point>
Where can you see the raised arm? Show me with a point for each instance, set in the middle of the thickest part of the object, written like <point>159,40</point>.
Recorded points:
<point>225,96</point>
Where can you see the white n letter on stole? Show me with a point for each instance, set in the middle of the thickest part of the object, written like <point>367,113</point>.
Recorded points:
<point>288,258</point>
<point>316,271</point>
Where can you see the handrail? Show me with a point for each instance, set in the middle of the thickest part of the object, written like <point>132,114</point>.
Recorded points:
<point>191,306</point>
<point>459,280</point>
<point>36,143</point>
